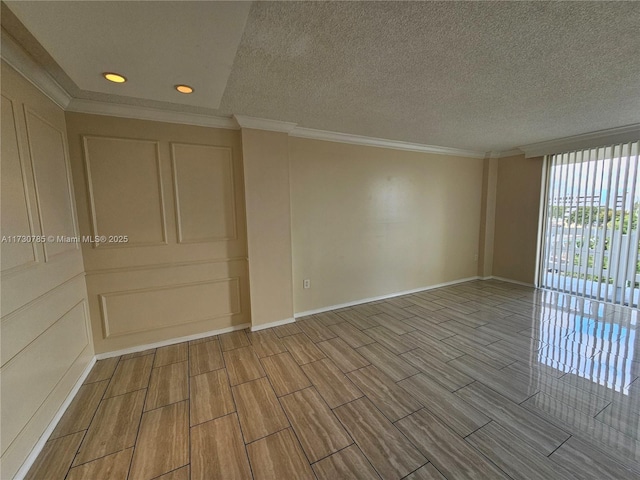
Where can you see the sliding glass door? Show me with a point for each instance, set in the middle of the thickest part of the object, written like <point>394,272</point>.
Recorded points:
<point>590,234</point>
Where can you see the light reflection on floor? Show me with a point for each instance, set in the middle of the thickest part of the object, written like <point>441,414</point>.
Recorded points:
<point>590,339</point>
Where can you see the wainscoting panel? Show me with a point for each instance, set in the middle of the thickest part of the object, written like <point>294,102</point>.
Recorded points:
<point>148,309</point>
<point>26,324</point>
<point>125,190</point>
<point>176,193</point>
<point>15,198</point>
<point>47,147</point>
<point>203,186</point>
<point>30,376</point>
<point>44,325</point>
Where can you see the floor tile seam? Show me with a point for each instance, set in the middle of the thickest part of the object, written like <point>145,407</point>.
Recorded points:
<point>582,436</point>
<point>451,430</point>
<point>99,458</point>
<point>170,363</point>
<point>392,423</point>
<point>135,442</point>
<point>557,422</point>
<point>244,443</point>
<point>491,420</point>
<point>148,379</point>
<point>353,443</point>
<point>528,410</point>
<point>188,399</point>
<point>296,433</point>
<point>555,449</point>
<point>293,391</point>
<point>242,434</point>
<point>284,411</point>
<point>102,398</point>
<point>189,415</point>
<point>421,466</point>
<point>175,469</point>
<point>237,419</point>
<point>444,421</point>
<point>264,436</point>
<point>98,381</point>
<point>241,383</point>
<point>223,351</point>
<point>84,435</point>
<point>235,411</point>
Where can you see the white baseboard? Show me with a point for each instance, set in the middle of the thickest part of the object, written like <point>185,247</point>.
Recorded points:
<point>255,328</point>
<point>383,297</point>
<point>35,451</point>
<point>24,469</point>
<point>171,341</point>
<point>63,408</point>
<point>509,280</point>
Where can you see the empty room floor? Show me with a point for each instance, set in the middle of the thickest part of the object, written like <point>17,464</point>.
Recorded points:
<point>478,380</point>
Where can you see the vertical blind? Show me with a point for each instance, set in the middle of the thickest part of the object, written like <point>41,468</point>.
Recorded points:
<point>590,239</point>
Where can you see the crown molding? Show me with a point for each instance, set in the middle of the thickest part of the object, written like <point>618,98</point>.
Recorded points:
<point>611,136</point>
<point>504,153</point>
<point>255,123</point>
<point>293,130</point>
<point>15,56</point>
<point>20,60</point>
<point>12,53</point>
<point>148,113</point>
<point>510,153</point>
<point>381,142</point>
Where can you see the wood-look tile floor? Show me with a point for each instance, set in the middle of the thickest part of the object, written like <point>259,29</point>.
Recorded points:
<point>480,380</point>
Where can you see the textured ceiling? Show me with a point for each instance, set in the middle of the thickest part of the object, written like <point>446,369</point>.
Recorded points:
<point>476,75</point>
<point>484,76</point>
<point>156,45</point>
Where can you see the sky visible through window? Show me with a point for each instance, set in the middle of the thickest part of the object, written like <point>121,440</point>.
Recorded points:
<point>592,243</point>
<point>596,179</point>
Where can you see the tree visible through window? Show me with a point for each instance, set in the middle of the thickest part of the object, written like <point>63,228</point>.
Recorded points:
<point>591,237</point>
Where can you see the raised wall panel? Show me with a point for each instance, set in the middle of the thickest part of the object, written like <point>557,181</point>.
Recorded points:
<point>29,377</point>
<point>44,325</point>
<point>16,215</point>
<point>204,193</point>
<point>23,326</point>
<point>52,183</point>
<point>125,190</point>
<point>25,285</point>
<point>156,287</point>
<point>147,309</point>
<point>16,454</point>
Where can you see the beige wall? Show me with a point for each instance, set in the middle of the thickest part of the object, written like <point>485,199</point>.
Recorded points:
<point>44,327</point>
<point>370,221</point>
<point>266,173</point>
<point>487,217</point>
<point>516,218</point>
<point>177,192</point>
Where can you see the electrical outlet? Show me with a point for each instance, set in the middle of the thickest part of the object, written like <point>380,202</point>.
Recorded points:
<point>306,283</point>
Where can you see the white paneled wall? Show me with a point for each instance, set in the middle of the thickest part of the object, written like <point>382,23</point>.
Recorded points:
<point>44,315</point>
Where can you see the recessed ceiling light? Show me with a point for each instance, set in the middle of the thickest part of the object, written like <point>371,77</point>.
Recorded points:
<point>114,77</point>
<point>184,88</point>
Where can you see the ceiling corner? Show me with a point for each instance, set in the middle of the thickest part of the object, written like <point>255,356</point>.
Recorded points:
<point>14,55</point>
